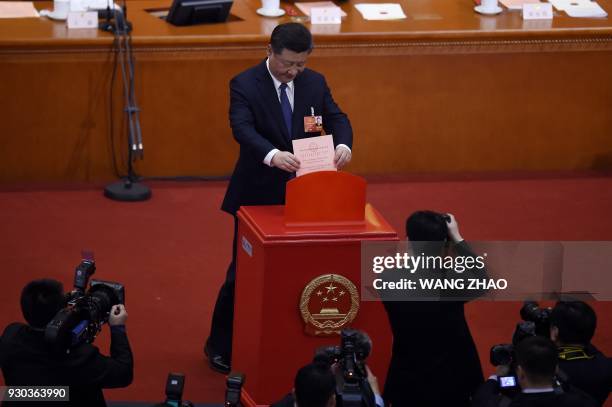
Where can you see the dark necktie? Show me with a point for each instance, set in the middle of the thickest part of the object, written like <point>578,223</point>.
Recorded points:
<point>286,107</point>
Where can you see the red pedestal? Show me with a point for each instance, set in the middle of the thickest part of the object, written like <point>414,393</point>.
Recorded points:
<point>278,255</point>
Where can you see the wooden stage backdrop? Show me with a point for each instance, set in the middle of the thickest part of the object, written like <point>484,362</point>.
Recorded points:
<point>446,90</point>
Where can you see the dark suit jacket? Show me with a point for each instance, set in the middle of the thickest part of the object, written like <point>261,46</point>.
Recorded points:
<point>434,361</point>
<point>287,401</point>
<point>593,376</point>
<point>257,124</point>
<point>26,360</point>
<point>488,396</point>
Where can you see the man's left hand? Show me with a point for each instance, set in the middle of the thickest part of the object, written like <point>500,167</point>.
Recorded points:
<point>342,157</point>
<point>502,370</point>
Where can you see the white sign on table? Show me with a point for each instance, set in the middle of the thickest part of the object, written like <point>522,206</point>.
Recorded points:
<point>83,19</point>
<point>537,11</point>
<point>325,15</point>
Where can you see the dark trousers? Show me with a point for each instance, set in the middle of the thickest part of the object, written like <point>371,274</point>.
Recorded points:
<point>220,339</point>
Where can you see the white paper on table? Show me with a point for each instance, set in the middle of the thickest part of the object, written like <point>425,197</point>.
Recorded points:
<point>305,7</point>
<point>17,9</point>
<point>517,4</point>
<point>586,9</point>
<point>561,5</point>
<point>90,5</point>
<point>381,11</point>
<point>315,154</point>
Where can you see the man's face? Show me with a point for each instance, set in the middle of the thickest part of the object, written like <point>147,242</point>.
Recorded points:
<point>286,65</point>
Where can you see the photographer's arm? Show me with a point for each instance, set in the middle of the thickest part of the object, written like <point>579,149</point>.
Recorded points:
<point>463,249</point>
<point>373,381</point>
<point>97,370</point>
<point>120,365</point>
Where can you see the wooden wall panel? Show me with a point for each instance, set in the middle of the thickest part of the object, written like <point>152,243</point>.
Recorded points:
<point>509,100</point>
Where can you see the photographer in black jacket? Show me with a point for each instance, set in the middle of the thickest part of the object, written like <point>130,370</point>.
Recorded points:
<point>572,326</point>
<point>536,365</point>
<point>315,386</point>
<point>27,359</point>
<point>434,362</point>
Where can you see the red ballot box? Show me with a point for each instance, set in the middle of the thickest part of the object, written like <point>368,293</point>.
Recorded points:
<point>298,281</point>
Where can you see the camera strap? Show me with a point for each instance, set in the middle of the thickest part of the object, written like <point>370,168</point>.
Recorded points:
<point>573,353</point>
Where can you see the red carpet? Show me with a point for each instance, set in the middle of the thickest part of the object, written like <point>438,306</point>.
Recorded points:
<point>172,252</point>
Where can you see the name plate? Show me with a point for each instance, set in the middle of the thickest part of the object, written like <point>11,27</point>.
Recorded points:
<point>537,11</point>
<point>83,19</point>
<point>325,15</point>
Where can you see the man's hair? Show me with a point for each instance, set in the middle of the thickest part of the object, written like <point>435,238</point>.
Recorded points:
<point>537,356</point>
<point>292,36</point>
<point>41,300</point>
<point>314,385</point>
<point>426,226</point>
<point>575,320</point>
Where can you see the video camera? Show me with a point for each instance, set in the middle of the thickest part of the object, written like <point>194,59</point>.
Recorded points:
<point>535,321</point>
<point>352,386</point>
<point>233,390</point>
<point>86,311</point>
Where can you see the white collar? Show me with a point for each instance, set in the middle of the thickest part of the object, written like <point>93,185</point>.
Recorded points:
<point>540,390</point>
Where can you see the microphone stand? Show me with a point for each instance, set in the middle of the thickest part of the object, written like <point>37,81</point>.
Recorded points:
<point>129,189</point>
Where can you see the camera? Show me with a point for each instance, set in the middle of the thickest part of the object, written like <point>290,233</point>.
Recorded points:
<point>352,386</point>
<point>86,311</point>
<point>174,391</point>
<point>531,311</point>
<point>233,390</point>
<point>536,321</point>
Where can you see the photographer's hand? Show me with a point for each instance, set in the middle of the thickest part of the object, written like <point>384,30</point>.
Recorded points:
<point>502,370</point>
<point>373,381</point>
<point>453,229</point>
<point>118,315</point>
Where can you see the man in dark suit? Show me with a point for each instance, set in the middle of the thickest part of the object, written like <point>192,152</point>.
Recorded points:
<point>434,362</point>
<point>268,104</point>
<point>572,326</point>
<point>27,359</point>
<point>536,360</point>
<point>315,386</point>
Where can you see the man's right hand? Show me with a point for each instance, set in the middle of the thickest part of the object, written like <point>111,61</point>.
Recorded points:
<point>286,161</point>
<point>118,315</point>
<point>373,380</point>
<point>453,229</point>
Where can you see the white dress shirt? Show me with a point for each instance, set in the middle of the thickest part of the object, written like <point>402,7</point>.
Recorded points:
<point>290,91</point>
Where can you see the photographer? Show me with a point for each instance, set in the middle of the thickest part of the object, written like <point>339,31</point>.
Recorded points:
<point>434,362</point>
<point>315,386</point>
<point>572,326</point>
<point>536,364</point>
<point>27,359</point>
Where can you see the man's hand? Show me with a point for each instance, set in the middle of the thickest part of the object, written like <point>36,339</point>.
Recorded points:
<point>373,381</point>
<point>286,161</point>
<point>342,157</point>
<point>453,229</point>
<point>118,315</point>
<point>502,370</point>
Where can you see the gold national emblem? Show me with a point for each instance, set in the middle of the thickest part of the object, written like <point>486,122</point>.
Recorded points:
<point>329,303</point>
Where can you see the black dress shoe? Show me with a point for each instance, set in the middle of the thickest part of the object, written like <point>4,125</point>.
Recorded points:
<point>217,362</point>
